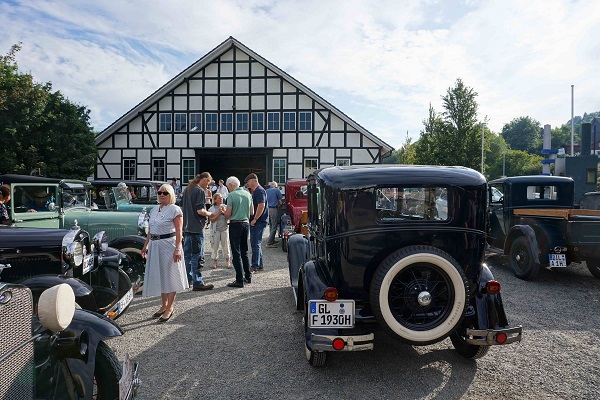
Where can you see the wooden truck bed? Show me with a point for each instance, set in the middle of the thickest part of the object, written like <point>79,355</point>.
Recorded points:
<point>562,213</point>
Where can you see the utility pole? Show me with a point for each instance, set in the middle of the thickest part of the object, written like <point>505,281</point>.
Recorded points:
<point>572,116</point>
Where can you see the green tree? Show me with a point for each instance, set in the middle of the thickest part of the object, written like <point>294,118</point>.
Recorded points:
<point>454,136</point>
<point>41,128</point>
<point>404,155</point>
<point>522,133</point>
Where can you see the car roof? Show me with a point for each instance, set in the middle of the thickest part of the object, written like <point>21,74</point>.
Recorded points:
<point>537,179</point>
<point>13,178</point>
<point>396,174</point>
<point>115,182</point>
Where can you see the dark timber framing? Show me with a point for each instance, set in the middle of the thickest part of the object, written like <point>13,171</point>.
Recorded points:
<point>232,79</point>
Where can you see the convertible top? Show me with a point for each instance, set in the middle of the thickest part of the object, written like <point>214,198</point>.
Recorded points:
<point>68,183</point>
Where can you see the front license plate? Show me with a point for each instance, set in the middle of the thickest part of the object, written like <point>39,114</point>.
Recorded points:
<point>558,260</point>
<point>126,383</point>
<point>124,302</point>
<point>331,314</point>
<point>88,263</point>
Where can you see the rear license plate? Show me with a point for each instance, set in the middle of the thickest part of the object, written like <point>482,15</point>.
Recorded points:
<point>124,302</point>
<point>558,260</point>
<point>331,314</point>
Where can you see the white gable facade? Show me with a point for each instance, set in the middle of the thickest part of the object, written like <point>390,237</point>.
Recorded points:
<point>233,113</point>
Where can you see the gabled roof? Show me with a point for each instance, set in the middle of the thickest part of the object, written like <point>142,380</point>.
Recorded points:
<point>207,59</point>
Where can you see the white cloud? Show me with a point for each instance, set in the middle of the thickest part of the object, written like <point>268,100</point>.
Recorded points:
<point>381,62</point>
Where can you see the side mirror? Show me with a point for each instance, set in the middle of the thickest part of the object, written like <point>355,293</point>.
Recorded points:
<point>56,307</point>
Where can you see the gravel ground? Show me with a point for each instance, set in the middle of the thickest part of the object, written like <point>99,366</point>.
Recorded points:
<point>248,344</point>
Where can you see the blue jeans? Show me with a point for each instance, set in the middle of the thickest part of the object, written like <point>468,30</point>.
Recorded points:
<point>256,233</point>
<point>238,241</point>
<point>193,250</point>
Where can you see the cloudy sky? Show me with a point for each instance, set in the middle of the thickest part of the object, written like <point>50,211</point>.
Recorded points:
<point>381,62</point>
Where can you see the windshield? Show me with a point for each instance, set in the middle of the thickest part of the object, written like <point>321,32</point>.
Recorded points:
<point>72,198</point>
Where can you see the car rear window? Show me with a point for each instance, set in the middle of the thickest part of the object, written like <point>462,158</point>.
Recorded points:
<point>411,203</point>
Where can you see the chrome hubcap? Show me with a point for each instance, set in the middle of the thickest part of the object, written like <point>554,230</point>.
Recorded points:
<point>424,298</point>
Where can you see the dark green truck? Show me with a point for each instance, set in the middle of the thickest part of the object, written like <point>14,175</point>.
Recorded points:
<point>536,225</point>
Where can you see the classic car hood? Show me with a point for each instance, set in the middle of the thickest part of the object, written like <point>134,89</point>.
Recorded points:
<point>13,237</point>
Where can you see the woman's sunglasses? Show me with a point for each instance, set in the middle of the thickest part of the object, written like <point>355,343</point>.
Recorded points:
<point>163,193</point>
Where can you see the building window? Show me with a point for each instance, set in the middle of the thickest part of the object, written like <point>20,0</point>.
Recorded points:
<point>305,121</point>
<point>279,170</point>
<point>158,170</point>
<point>195,122</point>
<point>241,122</point>
<point>591,176</point>
<point>310,166</point>
<point>273,122</point>
<point>180,122</point>
<point>189,170</point>
<point>258,121</point>
<point>211,123</point>
<point>165,122</point>
<point>289,121</point>
<point>342,162</point>
<point>129,169</point>
<point>227,122</point>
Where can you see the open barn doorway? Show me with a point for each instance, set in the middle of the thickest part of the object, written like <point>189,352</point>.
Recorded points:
<point>223,163</point>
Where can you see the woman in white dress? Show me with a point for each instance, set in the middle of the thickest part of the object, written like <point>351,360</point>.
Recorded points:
<point>165,268</point>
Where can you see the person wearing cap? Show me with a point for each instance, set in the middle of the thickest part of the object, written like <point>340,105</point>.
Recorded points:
<point>40,200</point>
<point>239,208</point>
<point>274,201</point>
<point>258,221</point>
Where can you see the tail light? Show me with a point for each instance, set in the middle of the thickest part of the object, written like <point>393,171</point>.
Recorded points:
<point>493,287</point>
<point>338,344</point>
<point>501,338</point>
<point>331,294</point>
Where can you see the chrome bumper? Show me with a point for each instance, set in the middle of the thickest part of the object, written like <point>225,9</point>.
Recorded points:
<point>353,342</point>
<point>487,337</point>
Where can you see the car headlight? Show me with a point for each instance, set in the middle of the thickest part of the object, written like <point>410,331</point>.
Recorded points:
<point>74,253</point>
<point>143,222</point>
<point>100,241</point>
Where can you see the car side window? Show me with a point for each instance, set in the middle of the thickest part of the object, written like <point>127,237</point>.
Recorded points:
<point>33,198</point>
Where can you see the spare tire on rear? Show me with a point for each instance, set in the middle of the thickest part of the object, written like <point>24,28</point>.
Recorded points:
<point>419,294</point>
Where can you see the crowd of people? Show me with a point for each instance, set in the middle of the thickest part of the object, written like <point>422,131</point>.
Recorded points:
<point>236,217</point>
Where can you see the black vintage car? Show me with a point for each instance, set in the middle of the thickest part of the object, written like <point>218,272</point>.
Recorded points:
<point>43,258</point>
<point>398,247</point>
<point>58,351</point>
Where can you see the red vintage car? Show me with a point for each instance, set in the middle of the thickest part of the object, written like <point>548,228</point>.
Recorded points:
<point>296,203</point>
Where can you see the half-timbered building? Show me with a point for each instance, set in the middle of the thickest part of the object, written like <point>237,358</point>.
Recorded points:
<point>231,113</point>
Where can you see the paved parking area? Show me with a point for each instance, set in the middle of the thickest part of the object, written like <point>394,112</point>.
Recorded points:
<point>248,344</point>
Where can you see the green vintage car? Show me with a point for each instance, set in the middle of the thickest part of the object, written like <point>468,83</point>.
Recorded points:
<point>125,195</point>
<point>63,203</point>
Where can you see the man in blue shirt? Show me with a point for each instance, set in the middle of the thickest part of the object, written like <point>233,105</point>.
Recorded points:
<point>258,221</point>
<point>274,200</point>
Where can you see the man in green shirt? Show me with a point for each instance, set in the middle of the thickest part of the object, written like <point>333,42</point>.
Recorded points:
<point>238,211</point>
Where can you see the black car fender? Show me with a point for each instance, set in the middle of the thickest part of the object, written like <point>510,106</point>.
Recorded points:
<point>297,254</point>
<point>314,287</point>
<point>488,308</point>
<point>526,231</point>
<point>84,293</point>
<point>96,327</point>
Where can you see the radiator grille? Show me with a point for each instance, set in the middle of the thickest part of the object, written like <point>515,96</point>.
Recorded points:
<point>18,370</point>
